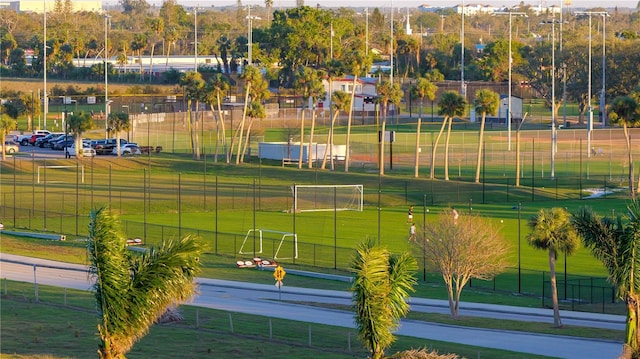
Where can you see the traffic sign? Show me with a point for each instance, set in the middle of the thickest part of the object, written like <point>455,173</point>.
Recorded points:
<point>279,273</point>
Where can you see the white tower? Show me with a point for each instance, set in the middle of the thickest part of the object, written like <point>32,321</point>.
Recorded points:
<point>408,30</point>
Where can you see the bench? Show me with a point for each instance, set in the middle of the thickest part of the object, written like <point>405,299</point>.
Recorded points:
<point>288,161</point>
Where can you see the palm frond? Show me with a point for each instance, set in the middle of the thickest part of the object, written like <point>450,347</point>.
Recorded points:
<point>132,292</point>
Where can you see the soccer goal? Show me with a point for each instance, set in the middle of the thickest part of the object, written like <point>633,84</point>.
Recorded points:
<point>315,198</point>
<point>288,239</point>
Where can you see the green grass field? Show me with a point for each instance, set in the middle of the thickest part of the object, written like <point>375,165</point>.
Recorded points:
<point>169,195</point>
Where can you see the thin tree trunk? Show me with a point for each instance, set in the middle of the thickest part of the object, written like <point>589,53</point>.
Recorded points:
<point>446,150</point>
<point>246,139</point>
<point>435,147</point>
<point>480,143</point>
<point>313,125</point>
<point>347,158</point>
<point>329,142</point>
<point>244,116</point>
<point>301,151</point>
<point>384,127</point>
<point>518,158</point>
<point>196,138</point>
<point>554,289</point>
<point>417,163</point>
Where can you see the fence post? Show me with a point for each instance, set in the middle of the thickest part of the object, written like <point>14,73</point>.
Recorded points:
<point>35,282</point>
<point>230,323</point>
<point>349,342</point>
<point>270,329</point>
<point>65,297</point>
<point>309,335</point>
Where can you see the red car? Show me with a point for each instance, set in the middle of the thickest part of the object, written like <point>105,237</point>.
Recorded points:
<point>34,137</point>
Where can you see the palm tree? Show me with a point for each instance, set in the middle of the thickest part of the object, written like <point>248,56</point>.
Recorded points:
<point>380,291</point>
<point>216,88</point>
<point>194,92</point>
<point>423,88</point>
<point>302,83</point>
<point>118,122</point>
<point>250,75</point>
<point>268,4</point>
<point>132,291</point>
<point>6,125</point>
<point>31,108</point>
<point>551,230</point>
<point>139,43</point>
<point>451,104</point>
<point>260,93</point>
<point>170,37</point>
<point>340,101</point>
<point>225,46</point>
<point>616,243</point>
<point>317,93</point>
<point>156,25</point>
<point>486,102</point>
<point>357,63</point>
<point>624,111</point>
<point>78,124</point>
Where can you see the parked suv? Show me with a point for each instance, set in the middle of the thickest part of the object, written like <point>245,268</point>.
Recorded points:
<point>105,147</point>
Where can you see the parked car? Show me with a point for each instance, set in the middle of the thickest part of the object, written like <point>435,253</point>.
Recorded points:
<point>11,147</point>
<point>105,147</point>
<point>42,140</point>
<point>51,142</point>
<point>61,145</point>
<point>85,150</point>
<point>128,149</point>
<point>34,138</point>
<point>24,139</point>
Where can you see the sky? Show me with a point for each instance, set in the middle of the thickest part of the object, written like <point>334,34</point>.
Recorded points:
<point>405,3</point>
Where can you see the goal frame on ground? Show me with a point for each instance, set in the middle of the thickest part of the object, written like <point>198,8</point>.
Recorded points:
<point>260,231</point>
<point>357,200</point>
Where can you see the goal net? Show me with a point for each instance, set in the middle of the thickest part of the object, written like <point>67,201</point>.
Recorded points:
<point>279,241</point>
<point>315,198</point>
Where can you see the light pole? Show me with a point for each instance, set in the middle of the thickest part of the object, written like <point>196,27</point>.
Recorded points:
<point>603,107</point>
<point>508,119</point>
<point>391,44</point>
<point>44,59</point>
<point>195,39</point>
<point>554,133</point>
<point>463,88</point>
<point>250,36</point>
<point>106,82</point>
<point>590,109</point>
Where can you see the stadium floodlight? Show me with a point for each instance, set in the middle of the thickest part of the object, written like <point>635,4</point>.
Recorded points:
<point>317,198</point>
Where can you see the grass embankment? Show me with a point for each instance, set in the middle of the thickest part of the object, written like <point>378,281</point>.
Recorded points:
<point>52,329</point>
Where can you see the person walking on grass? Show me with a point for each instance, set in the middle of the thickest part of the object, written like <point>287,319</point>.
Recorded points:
<point>410,215</point>
<point>412,232</point>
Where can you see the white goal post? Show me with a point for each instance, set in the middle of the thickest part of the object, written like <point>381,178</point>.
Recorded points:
<point>315,198</point>
<point>279,234</point>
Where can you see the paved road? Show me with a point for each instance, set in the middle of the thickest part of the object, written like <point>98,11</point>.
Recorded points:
<point>261,299</point>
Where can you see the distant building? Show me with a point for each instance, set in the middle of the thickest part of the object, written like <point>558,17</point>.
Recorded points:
<point>38,6</point>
